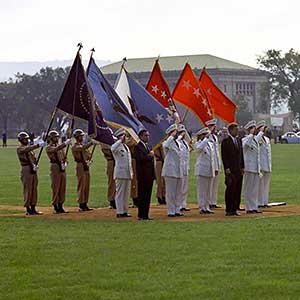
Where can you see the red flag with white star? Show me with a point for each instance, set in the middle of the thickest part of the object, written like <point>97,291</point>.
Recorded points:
<point>223,107</point>
<point>158,87</point>
<point>188,92</point>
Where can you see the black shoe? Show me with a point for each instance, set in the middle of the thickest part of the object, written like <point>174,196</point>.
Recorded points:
<point>164,200</point>
<point>229,214</point>
<point>203,211</point>
<point>127,215</point>
<point>257,211</point>
<point>209,211</point>
<point>112,204</point>
<point>61,209</point>
<point>160,201</point>
<point>135,202</point>
<point>179,215</point>
<point>260,206</point>
<point>34,211</point>
<point>81,207</point>
<point>185,209</point>
<point>56,209</point>
<point>212,206</point>
<point>29,211</point>
<point>236,213</point>
<point>171,216</point>
<point>120,216</point>
<point>250,212</point>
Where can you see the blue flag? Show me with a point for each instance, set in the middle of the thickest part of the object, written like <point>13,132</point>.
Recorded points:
<point>144,107</point>
<point>110,104</point>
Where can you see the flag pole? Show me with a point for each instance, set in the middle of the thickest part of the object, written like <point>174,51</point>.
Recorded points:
<point>74,97</point>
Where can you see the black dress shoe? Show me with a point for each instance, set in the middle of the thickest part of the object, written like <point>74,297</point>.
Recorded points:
<point>56,209</point>
<point>34,211</point>
<point>28,211</point>
<point>257,211</point>
<point>127,215</point>
<point>209,211</point>
<point>61,209</point>
<point>112,204</point>
<point>229,214</point>
<point>179,215</point>
<point>185,209</point>
<point>164,200</point>
<point>260,206</point>
<point>202,211</point>
<point>171,216</point>
<point>212,206</point>
<point>160,201</point>
<point>250,212</point>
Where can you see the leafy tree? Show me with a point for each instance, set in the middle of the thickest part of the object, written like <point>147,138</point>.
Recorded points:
<point>243,114</point>
<point>284,77</point>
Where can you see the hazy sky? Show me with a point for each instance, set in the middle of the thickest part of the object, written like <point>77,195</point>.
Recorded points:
<point>234,29</point>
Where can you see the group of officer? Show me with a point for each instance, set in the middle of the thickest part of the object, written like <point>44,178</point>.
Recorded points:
<point>132,169</point>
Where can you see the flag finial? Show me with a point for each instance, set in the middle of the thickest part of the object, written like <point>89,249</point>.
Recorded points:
<point>79,45</point>
<point>124,60</point>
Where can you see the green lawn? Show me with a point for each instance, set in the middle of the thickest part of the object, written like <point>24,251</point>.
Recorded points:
<point>68,259</point>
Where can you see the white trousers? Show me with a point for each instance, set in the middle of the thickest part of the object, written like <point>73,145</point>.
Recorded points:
<point>173,194</point>
<point>264,189</point>
<point>251,185</point>
<point>184,191</point>
<point>204,188</point>
<point>214,190</point>
<point>122,194</point>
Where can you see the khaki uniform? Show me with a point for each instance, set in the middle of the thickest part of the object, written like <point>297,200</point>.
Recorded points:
<point>110,164</point>
<point>159,161</point>
<point>82,158</point>
<point>28,174</point>
<point>58,159</point>
<point>134,184</point>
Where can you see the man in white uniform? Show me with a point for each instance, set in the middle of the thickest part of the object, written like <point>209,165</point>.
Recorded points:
<point>205,169</point>
<point>122,173</point>
<point>265,166</point>
<point>211,124</point>
<point>185,155</point>
<point>172,172</point>
<point>251,150</point>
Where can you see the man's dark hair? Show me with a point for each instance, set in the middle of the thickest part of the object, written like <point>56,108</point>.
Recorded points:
<point>232,126</point>
<point>142,132</point>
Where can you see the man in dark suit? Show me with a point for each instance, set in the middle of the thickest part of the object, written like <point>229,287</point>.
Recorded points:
<point>233,161</point>
<point>145,173</point>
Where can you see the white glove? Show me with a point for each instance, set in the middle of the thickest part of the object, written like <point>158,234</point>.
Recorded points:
<point>179,137</point>
<point>68,142</point>
<point>42,143</point>
<point>89,162</point>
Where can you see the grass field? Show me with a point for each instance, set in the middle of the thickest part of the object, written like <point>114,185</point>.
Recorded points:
<point>94,259</point>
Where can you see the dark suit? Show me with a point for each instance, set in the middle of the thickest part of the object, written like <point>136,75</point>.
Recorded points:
<point>233,159</point>
<point>145,173</point>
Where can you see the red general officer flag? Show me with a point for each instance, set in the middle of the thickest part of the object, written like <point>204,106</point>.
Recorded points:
<point>223,107</point>
<point>158,87</point>
<point>188,92</point>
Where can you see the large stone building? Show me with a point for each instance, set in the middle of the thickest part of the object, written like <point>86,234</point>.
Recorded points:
<point>234,79</point>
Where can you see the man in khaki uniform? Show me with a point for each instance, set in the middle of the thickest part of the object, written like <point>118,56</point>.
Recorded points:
<point>58,163</point>
<point>29,171</point>
<point>160,182</point>
<point>82,158</point>
<point>111,185</point>
<point>134,185</point>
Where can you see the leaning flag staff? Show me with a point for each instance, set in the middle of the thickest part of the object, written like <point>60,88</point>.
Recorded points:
<point>74,98</point>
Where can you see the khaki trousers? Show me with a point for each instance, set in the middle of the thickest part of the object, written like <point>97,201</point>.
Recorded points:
<point>111,185</point>
<point>83,184</point>
<point>30,183</point>
<point>58,184</point>
<point>161,189</point>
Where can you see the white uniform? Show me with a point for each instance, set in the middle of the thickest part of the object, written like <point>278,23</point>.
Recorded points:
<point>251,150</point>
<point>205,171</point>
<point>122,175</point>
<point>185,162</point>
<point>214,192</point>
<point>173,174</point>
<point>266,169</point>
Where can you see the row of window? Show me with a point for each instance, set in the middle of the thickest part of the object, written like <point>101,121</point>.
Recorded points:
<point>242,88</point>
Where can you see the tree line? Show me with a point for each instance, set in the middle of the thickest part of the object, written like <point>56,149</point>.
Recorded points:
<point>27,101</point>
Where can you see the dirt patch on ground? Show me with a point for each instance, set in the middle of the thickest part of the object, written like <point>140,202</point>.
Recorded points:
<point>156,212</point>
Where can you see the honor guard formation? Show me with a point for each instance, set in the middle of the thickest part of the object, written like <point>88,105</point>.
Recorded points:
<point>132,167</point>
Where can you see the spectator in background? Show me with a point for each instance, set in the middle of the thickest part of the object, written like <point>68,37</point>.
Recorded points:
<point>4,140</point>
